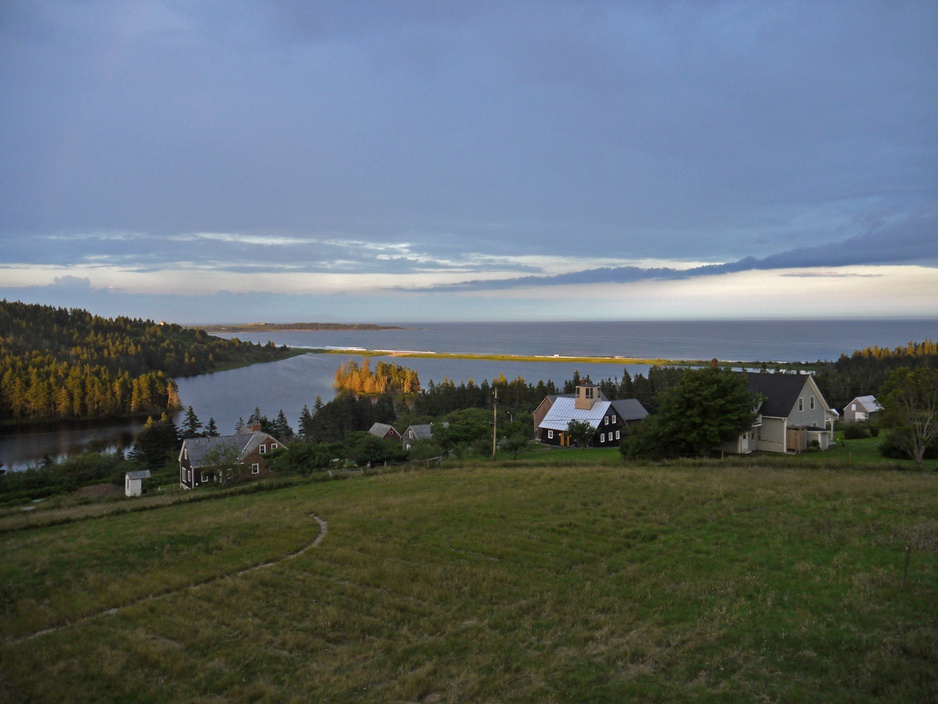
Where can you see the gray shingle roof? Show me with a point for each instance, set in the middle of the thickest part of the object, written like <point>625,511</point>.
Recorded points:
<point>780,391</point>
<point>630,409</point>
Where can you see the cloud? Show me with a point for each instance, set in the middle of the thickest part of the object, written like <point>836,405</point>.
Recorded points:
<point>72,283</point>
<point>903,241</point>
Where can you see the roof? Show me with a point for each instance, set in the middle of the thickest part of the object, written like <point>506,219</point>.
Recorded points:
<point>421,432</point>
<point>200,450</point>
<point>139,474</point>
<point>381,429</point>
<point>630,409</point>
<point>564,410</point>
<point>869,403</point>
<point>779,391</point>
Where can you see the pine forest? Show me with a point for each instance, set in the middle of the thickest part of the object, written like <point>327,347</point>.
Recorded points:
<point>58,363</point>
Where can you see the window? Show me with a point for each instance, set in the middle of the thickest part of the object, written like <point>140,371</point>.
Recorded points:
<point>602,437</point>
<point>618,435</point>
<point>588,392</point>
<point>255,468</point>
<point>185,454</point>
<point>614,418</point>
<point>263,449</point>
<point>800,404</point>
<point>811,403</point>
<point>204,477</point>
<point>550,434</point>
<point>606,420</point>
<point>273,446</point>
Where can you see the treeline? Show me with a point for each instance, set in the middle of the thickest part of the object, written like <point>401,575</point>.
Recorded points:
<point>350,412</point>
<point>386,378</point>
<point>58,363</point>
<point>864,371</point>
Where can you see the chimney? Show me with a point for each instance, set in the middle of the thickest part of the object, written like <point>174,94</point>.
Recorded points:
<point>586,396</point>
<point>255,427</point>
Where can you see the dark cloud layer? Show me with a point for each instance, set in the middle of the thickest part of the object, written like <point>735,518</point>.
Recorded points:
<point>913,241</point>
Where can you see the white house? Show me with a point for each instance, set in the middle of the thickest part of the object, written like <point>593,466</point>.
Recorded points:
<point>861,408</point>
<point>792,414</point>
<point>133,482</point>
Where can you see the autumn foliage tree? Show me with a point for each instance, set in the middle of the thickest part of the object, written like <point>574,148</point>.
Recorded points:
<point>385,379</point>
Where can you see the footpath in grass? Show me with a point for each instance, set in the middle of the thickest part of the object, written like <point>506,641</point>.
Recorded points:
<point>556,583</point>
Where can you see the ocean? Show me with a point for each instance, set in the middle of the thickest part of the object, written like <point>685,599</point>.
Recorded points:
<point>750,340</point>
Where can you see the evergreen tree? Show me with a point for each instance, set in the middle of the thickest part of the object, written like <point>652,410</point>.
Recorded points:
<point>191,425</point>
<point>211,430</point>
<point>306,423</point>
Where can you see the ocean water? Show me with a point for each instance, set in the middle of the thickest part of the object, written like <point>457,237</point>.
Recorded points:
<point>290,384</point>
<point>756,340</point>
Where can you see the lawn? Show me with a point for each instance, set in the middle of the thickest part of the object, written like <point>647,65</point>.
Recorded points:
<point>516,583</point>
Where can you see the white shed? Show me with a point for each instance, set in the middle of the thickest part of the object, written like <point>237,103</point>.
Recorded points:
<point>133,482</point>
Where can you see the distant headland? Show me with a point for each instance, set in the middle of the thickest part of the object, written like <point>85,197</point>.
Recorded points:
<point>294,327</point>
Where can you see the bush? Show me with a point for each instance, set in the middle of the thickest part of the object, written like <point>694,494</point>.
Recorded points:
<point>891,448</point>
<point>856,431</point>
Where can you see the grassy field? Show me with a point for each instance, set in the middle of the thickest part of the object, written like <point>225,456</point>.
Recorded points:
<point>582,579</point>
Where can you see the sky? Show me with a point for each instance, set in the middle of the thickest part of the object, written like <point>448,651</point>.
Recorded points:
<point>299,161</point>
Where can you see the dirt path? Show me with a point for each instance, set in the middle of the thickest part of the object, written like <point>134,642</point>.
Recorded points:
<point>323,530</point>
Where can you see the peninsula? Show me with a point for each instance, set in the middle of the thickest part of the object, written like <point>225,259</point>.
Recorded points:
<point>293,327</point>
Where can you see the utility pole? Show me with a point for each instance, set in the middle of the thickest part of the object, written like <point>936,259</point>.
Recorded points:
<point>495,426</point>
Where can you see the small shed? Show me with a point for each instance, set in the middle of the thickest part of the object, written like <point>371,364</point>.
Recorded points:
<point>133,482</point>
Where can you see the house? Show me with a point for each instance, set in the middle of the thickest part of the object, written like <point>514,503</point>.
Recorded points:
<point>607,418</point>
<point>201,460</point>
<point>791,414</point>
<point>384,431</point>
<point>861,408</point>
<point>133,482</point>
<point>415,433</point>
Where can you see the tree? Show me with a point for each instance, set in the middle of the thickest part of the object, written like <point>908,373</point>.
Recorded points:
<point>211,430</point>
<point>223,461</point>
<point>910,401</point>
<point>191,424</point>
<point>703,410</point>
<point>281,428</point>
<point>581,433</point>
<point>515,442</point>
<point>157,443</point>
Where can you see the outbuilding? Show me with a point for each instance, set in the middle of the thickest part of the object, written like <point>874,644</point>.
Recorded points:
<point>133,482</point>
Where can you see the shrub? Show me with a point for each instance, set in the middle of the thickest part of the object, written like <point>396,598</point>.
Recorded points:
<point>856,431</point>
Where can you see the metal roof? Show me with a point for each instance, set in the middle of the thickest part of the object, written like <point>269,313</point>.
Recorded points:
<point>564,410</point>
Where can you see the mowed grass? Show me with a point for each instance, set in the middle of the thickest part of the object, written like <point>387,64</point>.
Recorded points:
<point>497,584</point>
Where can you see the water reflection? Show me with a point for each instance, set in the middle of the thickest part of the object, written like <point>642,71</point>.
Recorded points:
<point>286,385</point>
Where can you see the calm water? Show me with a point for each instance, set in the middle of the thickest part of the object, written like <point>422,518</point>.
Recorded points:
<point>288,385</point>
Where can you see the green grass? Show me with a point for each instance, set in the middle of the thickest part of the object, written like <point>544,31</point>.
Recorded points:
<point>576,581</point>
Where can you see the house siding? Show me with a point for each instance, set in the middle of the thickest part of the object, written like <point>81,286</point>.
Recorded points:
<point>191,477</point>
<point>772,435</point>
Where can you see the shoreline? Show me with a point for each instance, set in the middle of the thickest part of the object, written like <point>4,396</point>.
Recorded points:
<point>555,358</point>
